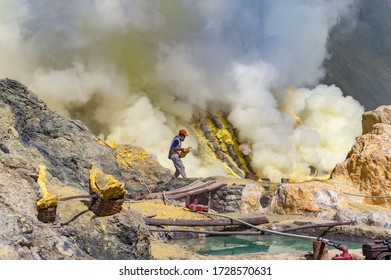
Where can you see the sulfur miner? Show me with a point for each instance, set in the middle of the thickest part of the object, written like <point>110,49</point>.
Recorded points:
<point>176,152</point>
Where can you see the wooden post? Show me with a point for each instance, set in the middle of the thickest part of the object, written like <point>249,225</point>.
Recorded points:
<point>321,250</point>
<point>209,200</point>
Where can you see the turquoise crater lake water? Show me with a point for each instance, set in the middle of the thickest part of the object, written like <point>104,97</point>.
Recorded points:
<point>267,244</point>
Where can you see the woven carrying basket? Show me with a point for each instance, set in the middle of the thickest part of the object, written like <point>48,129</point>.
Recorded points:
<point>47,215</point>
<point>106,207</point>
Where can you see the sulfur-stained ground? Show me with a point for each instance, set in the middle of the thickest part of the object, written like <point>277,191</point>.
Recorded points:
<point>159,210</point>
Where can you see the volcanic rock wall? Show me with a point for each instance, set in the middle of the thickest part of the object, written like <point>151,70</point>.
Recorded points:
<point>368,164</point>
<point>32,134</point>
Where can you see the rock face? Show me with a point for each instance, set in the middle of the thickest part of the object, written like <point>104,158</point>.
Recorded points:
<point>368,164</point>
<point>32,134</point>
<point>252,196</point>
<point>52,136</point>
<point>380,219</point>
<point>381,115</point>
<point>319,198</point>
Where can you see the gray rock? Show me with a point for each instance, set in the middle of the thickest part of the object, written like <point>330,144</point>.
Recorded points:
<point>230,209</point>
<point>379,219</point>
<point>230,197</point>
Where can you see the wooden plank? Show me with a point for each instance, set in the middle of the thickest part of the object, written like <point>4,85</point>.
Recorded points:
<point>197,191</point>
<point>160,194</point>
<point>209,188</point>
<point>188,188</point>
<point>186,192</point>
<point>215,222</point>
<point>191,189</point>
<point>216,186</point>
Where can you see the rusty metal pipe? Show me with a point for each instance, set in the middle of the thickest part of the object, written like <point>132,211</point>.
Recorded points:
<point>248,163</point>
<point>235,156</point>
<point>216,120</point>
<point>217,149</point>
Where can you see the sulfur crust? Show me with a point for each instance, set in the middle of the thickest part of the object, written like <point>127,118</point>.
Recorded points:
<point>48,199</point>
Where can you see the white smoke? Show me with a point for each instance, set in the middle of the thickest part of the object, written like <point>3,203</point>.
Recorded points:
<point>137,68</point>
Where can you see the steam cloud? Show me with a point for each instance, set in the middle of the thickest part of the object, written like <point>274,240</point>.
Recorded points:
<point>134,70</point>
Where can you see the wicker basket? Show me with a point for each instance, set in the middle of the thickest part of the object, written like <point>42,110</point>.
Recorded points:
<point>106,207</point>
<point>47,215</point>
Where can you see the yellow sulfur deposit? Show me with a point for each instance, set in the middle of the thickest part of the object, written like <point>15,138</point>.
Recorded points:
<point>128,154</point>
<point>185,152</point>
<point>48,199</point>
<point>159,210</point>
<point>105,185</point>
<point>111,144</point>
<point>108,143</point>
<point>224,136</point>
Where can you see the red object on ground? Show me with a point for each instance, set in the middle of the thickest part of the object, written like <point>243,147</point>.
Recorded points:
<point>194,207</point>
<point>345,253</point>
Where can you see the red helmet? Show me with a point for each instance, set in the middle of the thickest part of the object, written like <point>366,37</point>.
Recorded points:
<point>183,132</point>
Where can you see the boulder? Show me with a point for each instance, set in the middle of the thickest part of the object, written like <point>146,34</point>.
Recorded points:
<point>251,195</point>
<point>367,166</point>
<point>380,219</point>
<point>380,115</point>
<point>320,198</point>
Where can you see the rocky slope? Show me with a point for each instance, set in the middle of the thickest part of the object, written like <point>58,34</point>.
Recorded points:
<point>367,166</point>
<point>32,134</point>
